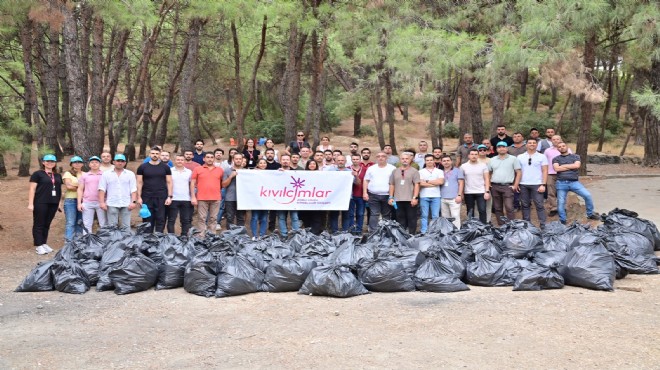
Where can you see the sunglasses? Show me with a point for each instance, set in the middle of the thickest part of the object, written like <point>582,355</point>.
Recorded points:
<point>119,160</point>
<point>49,161</point>
<point>300,135</point>
<point>482,150</point>
<point>529,162</point>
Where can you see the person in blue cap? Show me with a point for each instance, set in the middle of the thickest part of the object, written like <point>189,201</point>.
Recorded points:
<point>118,192</point>
<point>44,201</point>
<point>71,213</point>
<point>88,195</point>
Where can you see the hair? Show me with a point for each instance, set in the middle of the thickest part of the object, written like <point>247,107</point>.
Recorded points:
<point>355,155</point>
<point>248,140</point>
<point>233,149</point>
<point>199,141</point>
<point>316,166</point>
<point>270,150</point>
<point>287,155</point>
<point>467,134</point>
<point>518,133</point>
<point>337,151</point>
<point>445,156</point>
<point>533,139</point>
<point>422,142</point>
<point>326,151</point>
<point>187,150</point>
<point>533,129</point>
<point>318,151</point>
<point>410,150</point>
<point>219,150</point>
<point>325,137</point>
<point>260,160</point>
<point>353,143</point>
<point>208,153</point>
<point>178,155</point>
<point>271,140</point>
<point>551,128</point>
<point>386,145</point>
<point>436,147</point>
<point>428,156</point>
<point>73,170</point>
<point>474,150</point>
<point>365,150</point>
<point>500,125</point>
<point>237,153</point>
<point>155,148</point>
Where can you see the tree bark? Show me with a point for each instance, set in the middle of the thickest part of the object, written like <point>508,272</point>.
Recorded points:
<point>29,102</point>
<point>389,109</point>
<point>173,73</point>
<point>357,122</point>
<point>376,106</point>
<point>536,94</point>
<point>586,107</point>
<point>497,104</point>
<point>471,119</point>
<point>97,126</point>
<point>289,90</point>
<point>523,77</point>
<point>185,92</point>
<point>3,166</point>
<point>608,102</point>
<point>652,137</point>
<point>64,131</point>
<point>51,81</point>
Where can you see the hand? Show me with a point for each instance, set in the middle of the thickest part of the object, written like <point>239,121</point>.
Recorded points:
<point>365,197</point>
<point>80,207</point>
<point>414,202</point>
<point>390,201</point>
<point>31,207</point>
<point>458,199</point>
<point>193,201</point>
<point>486,196</point>
<point>104,206</point>
<point>132,206</point>
<point>168,201</point>
<point>515,188</point>
<point>139,200</point>
<point>541,191</point>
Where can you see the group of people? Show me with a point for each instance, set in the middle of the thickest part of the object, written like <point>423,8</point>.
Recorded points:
<point>491,175</point>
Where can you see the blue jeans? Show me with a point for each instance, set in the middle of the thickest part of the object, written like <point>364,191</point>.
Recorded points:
<point>260,216</point>
<point>222,205</point>
<point>356,214</point>
<point>295,222</point>
<point>334,221</point>
<point>426,204</point>
<point>563,187</point>
<point>73,218</point>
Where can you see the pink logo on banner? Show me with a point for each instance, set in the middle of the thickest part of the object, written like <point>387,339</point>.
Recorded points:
<point>288,195</point>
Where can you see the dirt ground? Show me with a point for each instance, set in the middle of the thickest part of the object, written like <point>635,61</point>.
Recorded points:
<point>481,328</point>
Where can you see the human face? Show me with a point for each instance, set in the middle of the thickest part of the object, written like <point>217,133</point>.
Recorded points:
<point>563,148</point>
<point>387,150</point>
<point>106,158</point>
<point>355,159</point>
<point>238,160</point>
<point>531,145</point>
<point>154,155</point>
<point>286,161</point>
<point>473,156</point>
<point>270,155</point>
<point>423,146</point>
<point>467,139</point>
<point>304,153</point>
<point>209,159</point>
<point>165,156</point>
<point>517,138</point>
<point>341,161</point>
<point>269,143</point>
<point>232,153</point>
<point>328,157</point>
<point>534,133</point>
<point>295,158</point>
<point>325,141</point>
<point>367,154</point>
<point>446,163</point>
<point>261,164</point>
<point>119,164</point>
<point>250,143</point>
<point>437,153</point>
<point>300,136</point>
<point>49,165</point>
<point>179,161</point>
<point>486,142</point>
<point>501,131</point>
<point>188,156</point>
<point>381,158</point>
<point>218,156</point>
<point>318,157</point>
<point>353,148</point>
<point>483,153</point>
<point>199,145</point>
<point>94,165</point>
<point>430,163</point>
<point>77,166</point>
<point>405,160</point>
<point>556,140</point>
<point>312,166</point>
<point>502,150</point>
<point>549,133</point>
<point>244,162</point>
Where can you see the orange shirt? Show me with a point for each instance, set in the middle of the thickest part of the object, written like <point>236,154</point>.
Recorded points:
<point>208,181</point>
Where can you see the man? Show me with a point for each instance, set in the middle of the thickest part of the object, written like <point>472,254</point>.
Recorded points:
<point>490,153</point>
<point>205,184</point>
<point>295,162</point>
<point>483,153</point>
<point>551,187</point>
<point>199,154</point>
<point>334,215</point>
<point>118,193</point>
<point>218,154</point>
<point>356,206</point>
<point>299,143</point>
<point>376,189</point>
<point>534,167</point>
<point>413,164</point>
<point>233,215</point>
<point>328,162</point>
<point>423,147</point>
<point>404,190</point>
<point>226,167</point>
<point>430,180</point>
<point>282,215</point>
<point>305,156</point>
<point>189,163</point>
<point>463,150</point>
<point>437,157</point>
<point>154,188</point>
<point>286,163</point>
<point>163,158</point>
<point>534,132</point>
<point>88,195</point>
<point>180,197</point>
<point>484,157</point>
<point>477,185</point>
<point>451,191</point>
<point>518,147</point>
<point>353,149</point>
<point>547,142</point>
<point>567,166</point>
<point>501,136</point>
<point>391,159</point>
<point>271,164</point>
<point>504,181</point>
<point>106,162</point>
<point>319,158</point>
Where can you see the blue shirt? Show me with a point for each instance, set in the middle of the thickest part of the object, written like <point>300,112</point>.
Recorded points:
<point>199,158</point>
<point>449,190</point>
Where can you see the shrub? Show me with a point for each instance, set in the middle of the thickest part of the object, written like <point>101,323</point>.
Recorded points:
<point>272,129</point>
<point>367,131</point>
<point>450,130</point>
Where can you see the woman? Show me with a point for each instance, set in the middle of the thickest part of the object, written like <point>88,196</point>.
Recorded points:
<point>313,219</point>
<point>431,179</point>
<point>88,195</point>
<point>259,215</point>
<point>271,145</point>
<point>44,200</point>
<point>71,213</point>
<point>325,144</point>
<point>250,153</point>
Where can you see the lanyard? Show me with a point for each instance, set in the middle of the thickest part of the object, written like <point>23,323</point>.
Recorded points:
<point>52,178</point>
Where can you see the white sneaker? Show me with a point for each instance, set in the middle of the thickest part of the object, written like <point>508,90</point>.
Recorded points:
<point>41,250</point>
<point>47,248</point>
<point>218,227</point>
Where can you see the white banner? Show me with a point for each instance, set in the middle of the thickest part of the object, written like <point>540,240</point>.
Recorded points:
<point>294,190</point>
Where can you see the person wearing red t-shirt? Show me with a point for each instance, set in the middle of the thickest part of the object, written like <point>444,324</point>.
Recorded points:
<point>205,185</point>
<point>356,209</point>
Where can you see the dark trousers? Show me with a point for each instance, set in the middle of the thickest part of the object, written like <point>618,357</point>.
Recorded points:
<point>406,216</point>
<point>378,206</point>
<point>529,194</point>
<point>42,216</point>
<point>272,218</point>
<point>334,221</point>
<point>314,220</point>
<point>156,206</point>
<point>470,200</point>
<point>233,215</point>
<point>502,201</point>
<point>185,209</point>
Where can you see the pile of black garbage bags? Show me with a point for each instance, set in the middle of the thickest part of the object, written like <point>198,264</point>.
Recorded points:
<point>443,260</point>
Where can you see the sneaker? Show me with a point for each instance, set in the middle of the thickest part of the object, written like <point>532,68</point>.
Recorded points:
<point>562,222</point>
<point>47,248</point>
<point>218,227</point>
<point>594,216</point>
<point>41,250</point>
<point>254,238</point>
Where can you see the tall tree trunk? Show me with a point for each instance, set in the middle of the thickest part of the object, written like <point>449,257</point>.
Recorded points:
<point>389,108</point>
<point>29,101</point>
<point>471,111</point>
<point>621,93</point>
<point>185,92</point>
<point>377,112</point>
<point>289,90</point>
<point>652,137</point>
<point>51,81</point>
<point>173,72</point>
<point>197,132</point>
<point>553,98</point>
<point>523,78</point>
<point>97,126</point>
<point>258,113</point>
<point>497,104</point>
<point>40,69</point>
<point>586,106</point>
<point>357,122</point>
<point>85,29</point>
<point>536,94</point>
<point>64,131</point>
<point>608,102</point>
<point>433,118</point>
<point>3,166</point>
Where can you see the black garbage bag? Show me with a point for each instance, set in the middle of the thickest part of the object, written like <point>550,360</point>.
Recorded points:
<point>256,258</point>
<point>434,276</point>
<point>633,252</point>
<point>629,220</point>
<point>382,275</point>
<point>91,268</point>
<point>175,257</point>
<point>113,233</point>
<point>238,276</point>
<point>537,277</point>
<point>485,245</point>
<point>111,256</point>
<point>554,228</point>
<point>635,242</point>
<point>343,238</point>
<point>135,272</point>
<point>410,258</point>
<point>589,266</point>
<point>200,277</point>
<point>488,271</point>
<point>520,238</point>
<point>318,249</point>
<point>350,254</point>
<point>441,226</point>
<point>422,242</point>
<point>89,246</point>
<point>549,258</point>
<point>387,233</point>
<point>287,274</point>
<point>297,238</point>
<point>621,272</point>
<point>69,277</point>
<point>39,279</point>
<point>234,231</point>
<point>450,260</point>
<point>332,281</point>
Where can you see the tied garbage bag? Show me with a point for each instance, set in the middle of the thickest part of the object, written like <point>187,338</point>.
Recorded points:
<point>201,275</point>
<point>318,249</point>
<point>589,266</point>
<point>350,254</point>
<point>175,257</point>
<point>484,246</point>
<point>441,226</point>
<point>537,277</point>
<point>91,268</point>
<point>287,274</point>
<point>112,255</point>
<point>135,272</point>
<point>549,258</point>
<point>520,238</point>
<point>89,246</point>
<point>113,233</point>
<point>238,276</point>
<point>39,279</point>
<point>298,238</point>
<point>382,275</point>
<point>409,258</point>
<point>388,233</point>
<point>433,276</point>
<point>488,271</point>
<point>562,238</point>
<point>69,277</point>
<point>629,220</point>
<point>632,252</point>
<point>450,260</point>
<point>332,281</point>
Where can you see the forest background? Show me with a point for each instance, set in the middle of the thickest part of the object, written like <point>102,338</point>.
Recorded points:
<point>78,76</point>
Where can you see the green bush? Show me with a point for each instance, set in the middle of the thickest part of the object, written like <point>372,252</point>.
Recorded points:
<point>450,131</point>
<point>272,129</point>
<point>367,131</point>
<point>594,135</point>
<point>525,121</point>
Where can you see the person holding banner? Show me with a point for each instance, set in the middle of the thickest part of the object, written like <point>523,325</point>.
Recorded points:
<point>313,219</point>
<point>334,215</point>
<point>281,215</point>
<point>404,192</point>
<point>376,190</point>
<point>260,216</point>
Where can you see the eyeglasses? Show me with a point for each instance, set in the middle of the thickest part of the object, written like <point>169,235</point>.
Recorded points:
<point>300,135</point>
<point>403,173</point>
<point>529,162</point>
<point>482,150</point>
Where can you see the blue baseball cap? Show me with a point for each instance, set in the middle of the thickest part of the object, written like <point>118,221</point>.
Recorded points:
<point>49,157</point>
<point>75,159</point>
<point>502,143</point>
<point>482,146</point>
<point>120,157</point>
<point>94,158</point>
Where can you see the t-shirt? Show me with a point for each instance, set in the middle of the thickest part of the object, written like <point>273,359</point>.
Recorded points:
<point>45,185</point>
<point>379,179</point>
<point>71,194</point>
<point>357,185</point>
<point>154,179</point>
<point>419,159</point>
<point>90,184</point>
<point>199,157</point>
<point>532,172</point>
<point>551,153</point>
<point>181,184</point>
<point>495,139</point>
<point>517,151</point>
<point>463,150</point>
<point>208,182</point>
<point>404,183</point>
<point>169,162</point>
<point>570,175</point>
<point>393,160</point>
<point>474,177</point>
<point>252,157</point>
<point>503,170</point>
<point>295,146</point>
<point>230,191</point>
<point>449,190</point>
<point>273,166</point>
<point>426,174</point>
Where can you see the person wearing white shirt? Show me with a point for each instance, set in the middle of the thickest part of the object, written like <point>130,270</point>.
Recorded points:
<point>534,166</point>
<point>423,147</point>
<point>477,185</point>
<point>118,192</point>
<point>376,190</point>
<point>181,205</point>
<point>431,179</point>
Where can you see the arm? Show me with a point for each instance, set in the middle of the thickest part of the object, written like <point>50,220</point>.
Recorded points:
<point>134,198</point>
<point>391,193</point>
<point>31,193</point>
<point>168,179</point>
<point>545,176</point>
<point>139,189</point>
<point>516,180</point>
<point>415,198</point>
<point>567,167</point>
<point>461,185</point>
<point>101,190</point>
<point>487,185</point>
<point>193,198</point>
<point>81,190</point>
<point>68,185</point>
<point>365,185</point>
<point>226,182</point>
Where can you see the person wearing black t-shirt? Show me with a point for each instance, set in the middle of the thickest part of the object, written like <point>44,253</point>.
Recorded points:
<point>44,200</point>
<point>501,136</point>
<point>271,163</point>
<point>251,154</point>
<point>154,188</point>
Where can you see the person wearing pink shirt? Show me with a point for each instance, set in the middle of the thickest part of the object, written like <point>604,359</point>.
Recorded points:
<point>88,195</point>
<point>551,153</point>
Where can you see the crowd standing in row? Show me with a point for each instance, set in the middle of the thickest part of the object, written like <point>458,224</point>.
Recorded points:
<point>502,173</point>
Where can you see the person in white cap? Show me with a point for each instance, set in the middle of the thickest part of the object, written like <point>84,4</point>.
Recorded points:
<point>44,201</point>
<point>118,192</point>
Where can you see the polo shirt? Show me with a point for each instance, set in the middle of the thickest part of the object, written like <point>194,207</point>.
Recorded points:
<point>191,165</point>
<point>208,182</point>
<point>90,183</point>
<point>118,188</point>
<point>449,190</point>
<point>409,177</point>
<point>503,170</point>
<point>532,174</point>
<point>463,150</point>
